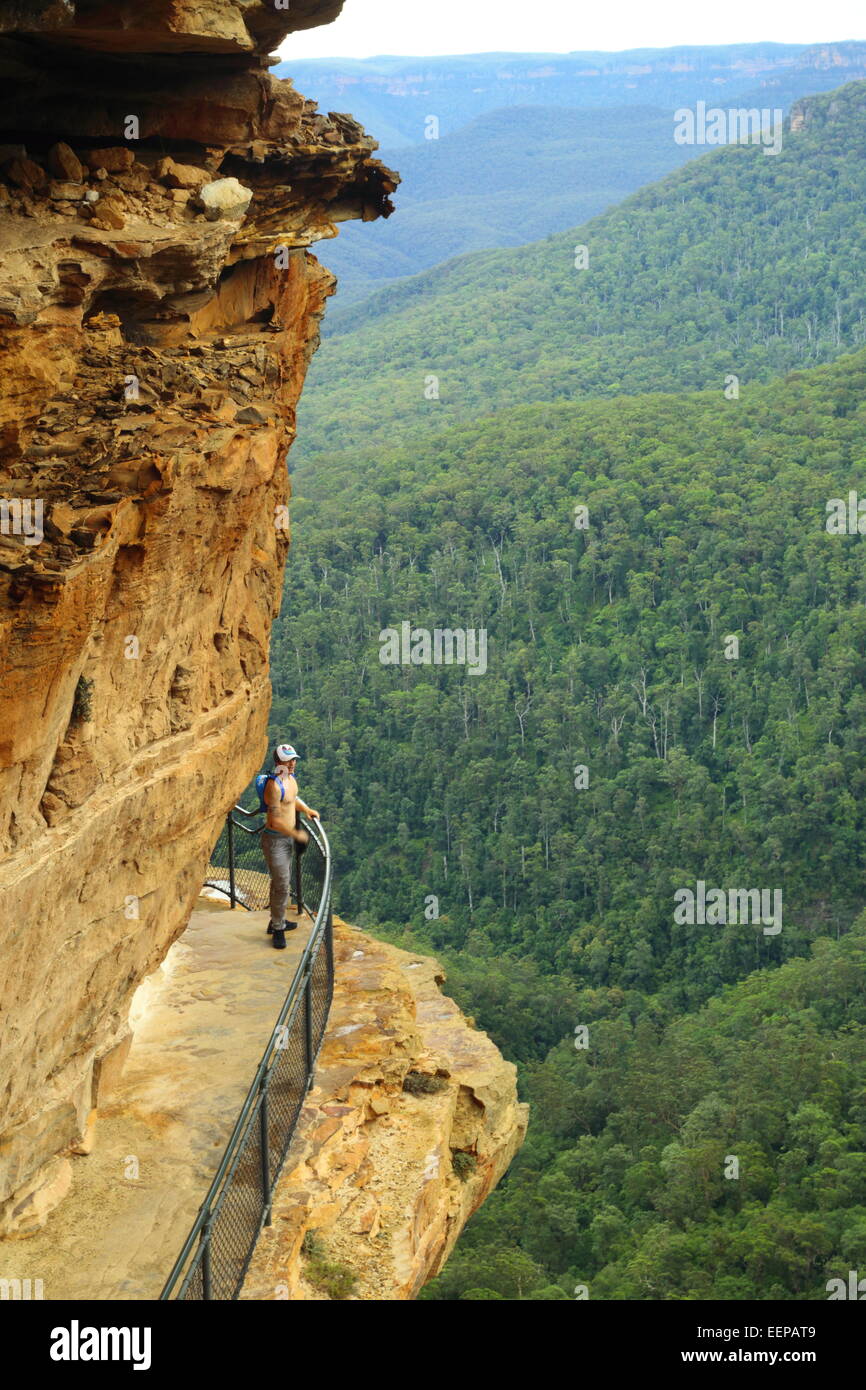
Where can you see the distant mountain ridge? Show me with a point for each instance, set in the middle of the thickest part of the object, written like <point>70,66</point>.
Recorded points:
<point>393,96</point>
<point>508,177</point>
<point>734,264</point>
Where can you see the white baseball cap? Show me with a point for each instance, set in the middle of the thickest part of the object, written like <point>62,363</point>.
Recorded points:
<point>285,752</point>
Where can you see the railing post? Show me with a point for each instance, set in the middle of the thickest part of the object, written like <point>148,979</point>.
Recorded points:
<point>230,827</point>
<point>263,1142</point>
<point>206,1285</point>
<point>329,943</point>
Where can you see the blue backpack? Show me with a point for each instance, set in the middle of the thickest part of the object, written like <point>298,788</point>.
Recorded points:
<point>262,781</point>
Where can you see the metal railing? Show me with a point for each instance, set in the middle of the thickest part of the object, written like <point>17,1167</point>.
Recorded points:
<point>217,1252</point>
<point>236,868</point>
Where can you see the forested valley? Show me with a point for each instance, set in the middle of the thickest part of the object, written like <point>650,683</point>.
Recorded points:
<point>629,483</point>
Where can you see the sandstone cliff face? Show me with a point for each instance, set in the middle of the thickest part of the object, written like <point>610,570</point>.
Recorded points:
<point>412,1120</point>
<point>158,309</point>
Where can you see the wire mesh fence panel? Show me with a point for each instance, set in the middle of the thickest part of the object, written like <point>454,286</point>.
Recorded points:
<point>287,1086</point>
<point>234,1220</point>
<point>238,1219</point>
<point>321,991</point>
<point>237,869</point>
<point>217,872</point>
<point>194,1290</point>
<point>253,889</point>
<point>312,874</point>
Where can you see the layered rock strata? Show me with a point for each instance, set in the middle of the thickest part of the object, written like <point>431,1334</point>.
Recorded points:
<point>158,309</point>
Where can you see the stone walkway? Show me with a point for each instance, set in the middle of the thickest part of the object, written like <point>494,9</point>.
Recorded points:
<point>200,1025</point>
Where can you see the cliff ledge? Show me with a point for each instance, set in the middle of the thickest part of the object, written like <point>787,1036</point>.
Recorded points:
<point>411,1122</point>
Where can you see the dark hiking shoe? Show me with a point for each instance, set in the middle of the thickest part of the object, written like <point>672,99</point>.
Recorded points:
<point>290,926</point>
<point>279,940</point>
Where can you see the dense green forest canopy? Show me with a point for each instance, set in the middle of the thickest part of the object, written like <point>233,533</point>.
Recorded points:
<point>606,647</point>
<point>714,1156</point>
<point>672,695</point>
<point>707,519</point>
<point>739,263</point>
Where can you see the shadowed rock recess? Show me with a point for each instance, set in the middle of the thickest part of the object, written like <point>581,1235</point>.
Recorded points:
<point>153,344</point>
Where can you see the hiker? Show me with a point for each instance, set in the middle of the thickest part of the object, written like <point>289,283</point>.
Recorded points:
<point>281,832</point>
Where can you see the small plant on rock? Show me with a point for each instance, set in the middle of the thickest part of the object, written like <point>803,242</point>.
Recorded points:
<point>420,1083</point>
<point>330,1277</point>
<point>463,1163</point>
<point>82,700</point>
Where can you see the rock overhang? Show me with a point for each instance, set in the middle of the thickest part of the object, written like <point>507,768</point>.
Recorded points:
<point>214,27</point>
<point>152,352</point>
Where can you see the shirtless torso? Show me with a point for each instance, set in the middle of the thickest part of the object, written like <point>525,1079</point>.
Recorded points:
<point>282,814</point>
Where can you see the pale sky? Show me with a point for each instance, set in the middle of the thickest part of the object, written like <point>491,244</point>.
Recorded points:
<point>424,27</point>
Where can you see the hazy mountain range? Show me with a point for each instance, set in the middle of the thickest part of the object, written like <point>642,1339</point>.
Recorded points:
<point>529,144</point>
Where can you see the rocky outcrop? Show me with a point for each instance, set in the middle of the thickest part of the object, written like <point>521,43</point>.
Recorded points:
<point>158,309</point>
<point>827,108</point>
<point>412,1120</point>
